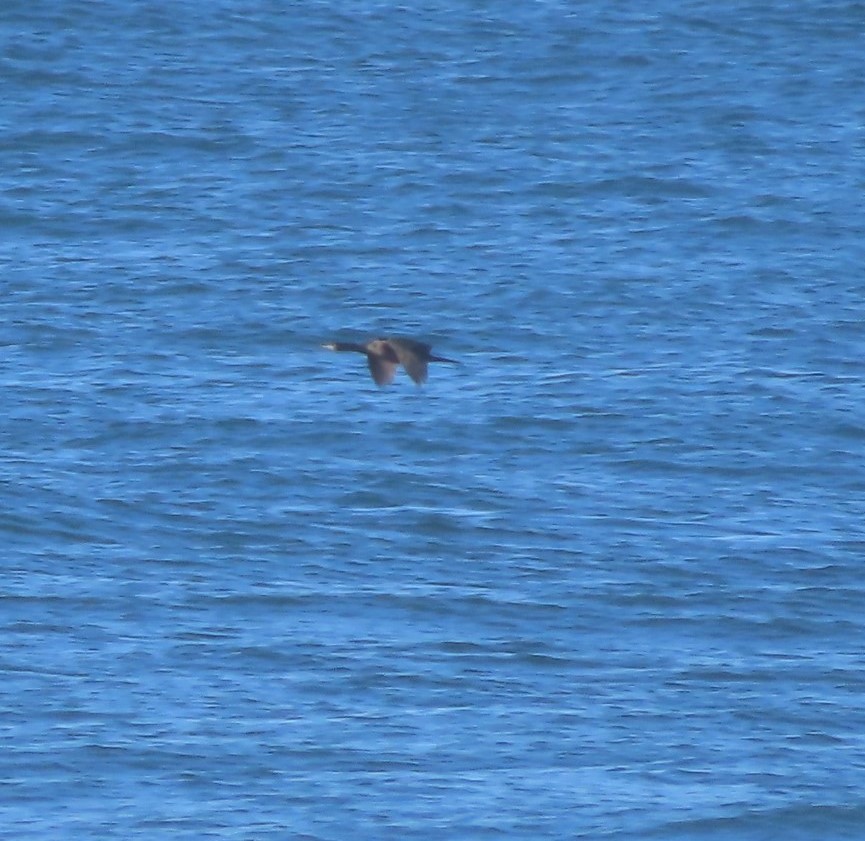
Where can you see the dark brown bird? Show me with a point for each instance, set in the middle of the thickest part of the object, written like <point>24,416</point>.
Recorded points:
<point>384,355</point>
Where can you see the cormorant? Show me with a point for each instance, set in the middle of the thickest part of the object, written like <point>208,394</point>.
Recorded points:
<point>384,355</point>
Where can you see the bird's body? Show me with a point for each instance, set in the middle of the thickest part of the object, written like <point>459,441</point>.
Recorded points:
<point>384,356</point>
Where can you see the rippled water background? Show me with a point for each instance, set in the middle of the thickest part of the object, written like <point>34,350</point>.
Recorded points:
<point>602,580</point>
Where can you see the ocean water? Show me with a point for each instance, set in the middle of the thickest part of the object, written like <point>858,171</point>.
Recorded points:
<point>603,579</point>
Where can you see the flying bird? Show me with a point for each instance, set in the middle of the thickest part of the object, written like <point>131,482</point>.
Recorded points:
<point>384,356</point>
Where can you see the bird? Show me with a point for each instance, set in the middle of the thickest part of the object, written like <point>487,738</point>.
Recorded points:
<point>384,355</point>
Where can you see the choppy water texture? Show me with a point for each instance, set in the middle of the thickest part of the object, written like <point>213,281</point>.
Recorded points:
<point>602,580</point>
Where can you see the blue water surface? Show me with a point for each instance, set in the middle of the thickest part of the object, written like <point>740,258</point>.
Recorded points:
<point>603,579</point>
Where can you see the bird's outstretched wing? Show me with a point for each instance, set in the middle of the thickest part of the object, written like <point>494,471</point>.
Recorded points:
<point>382,371</point>
<point>413,357</point>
